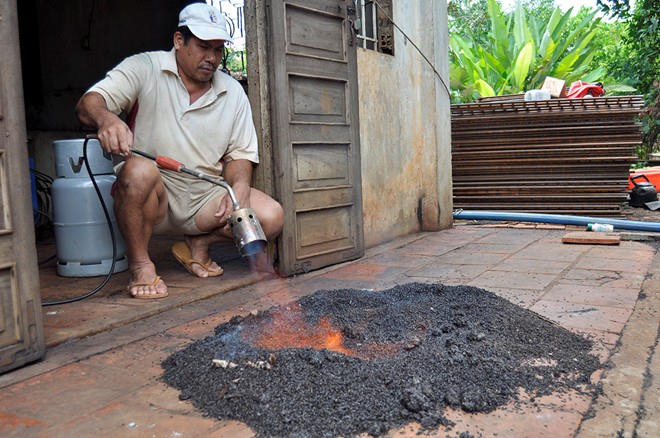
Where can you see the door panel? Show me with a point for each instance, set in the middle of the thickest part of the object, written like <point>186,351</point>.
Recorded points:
<point>319,165</point>
<point>315,132</point>
<point>312,33</point>
<point>9,331</point>
<point>21,327</point>
<point>316,100</point>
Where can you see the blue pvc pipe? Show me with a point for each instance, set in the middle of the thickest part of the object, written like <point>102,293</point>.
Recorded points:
<point>556,219</point>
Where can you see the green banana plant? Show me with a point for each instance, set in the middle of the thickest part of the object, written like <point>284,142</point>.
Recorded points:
<point>520,53</point>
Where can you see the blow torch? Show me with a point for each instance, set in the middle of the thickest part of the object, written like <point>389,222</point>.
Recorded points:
<point>246,229</point>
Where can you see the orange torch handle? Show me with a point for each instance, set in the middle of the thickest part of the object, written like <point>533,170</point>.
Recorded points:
<point>165,162</point>
<point>169,163</point>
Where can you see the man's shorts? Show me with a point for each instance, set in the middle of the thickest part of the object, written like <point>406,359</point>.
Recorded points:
<point>186,196</point>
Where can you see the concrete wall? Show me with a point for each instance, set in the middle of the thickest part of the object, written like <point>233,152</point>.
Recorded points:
<point>405,137</point>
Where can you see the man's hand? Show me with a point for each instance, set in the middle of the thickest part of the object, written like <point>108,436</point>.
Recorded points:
<point>115,136</point>
<point>242,193</point>
<point>238,174</point>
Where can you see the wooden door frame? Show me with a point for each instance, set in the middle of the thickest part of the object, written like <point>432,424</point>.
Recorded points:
<point>256,44</point>
<point>19,234</point>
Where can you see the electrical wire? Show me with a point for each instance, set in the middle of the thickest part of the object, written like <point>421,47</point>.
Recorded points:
<point>413,44</point>
<point>47,260</point>
<point>85,41</point>
<point>42,188</point>
<point>112,236</point>
<point>43,225</point>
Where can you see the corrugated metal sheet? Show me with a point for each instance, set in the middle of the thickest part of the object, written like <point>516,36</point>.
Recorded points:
<point>560,156</point>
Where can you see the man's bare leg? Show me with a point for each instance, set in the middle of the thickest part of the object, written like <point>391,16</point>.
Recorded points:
<point>140,203</point>
<point>267,210</point>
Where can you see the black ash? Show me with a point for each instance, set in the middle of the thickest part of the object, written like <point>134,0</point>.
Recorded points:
<point>406,354</point>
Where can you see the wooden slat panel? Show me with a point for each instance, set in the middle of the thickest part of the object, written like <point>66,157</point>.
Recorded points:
<point>313,33</point>
<point>10,327</point>
<point>307,200</point>
<point>317,100</point>
<point>325,231</point>
<point>561,155</point>
<point>321,165</point>
<point>5,213</point>
<point>591,238</point>
<point>303,132</point>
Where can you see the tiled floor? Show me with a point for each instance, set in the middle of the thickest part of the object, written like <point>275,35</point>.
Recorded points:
<point>113,307</point>
<point>100,382</point>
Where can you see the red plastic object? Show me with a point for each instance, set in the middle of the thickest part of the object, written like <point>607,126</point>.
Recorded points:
<point>652,173</point>
<point>581,89</point>
<point>169,163</point>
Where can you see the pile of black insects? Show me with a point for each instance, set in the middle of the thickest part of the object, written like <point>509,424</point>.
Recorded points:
<point>457,346</point>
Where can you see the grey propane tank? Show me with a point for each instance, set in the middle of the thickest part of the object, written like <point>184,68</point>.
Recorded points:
<point>82,235</point>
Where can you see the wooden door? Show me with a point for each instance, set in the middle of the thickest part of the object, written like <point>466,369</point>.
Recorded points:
<point>21,325</point>
<point>314,111</point>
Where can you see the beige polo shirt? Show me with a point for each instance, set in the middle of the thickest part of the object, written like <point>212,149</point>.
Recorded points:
<point>218,125</point>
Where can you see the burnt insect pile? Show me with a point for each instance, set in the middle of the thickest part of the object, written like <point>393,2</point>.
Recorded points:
<point>346,362</point>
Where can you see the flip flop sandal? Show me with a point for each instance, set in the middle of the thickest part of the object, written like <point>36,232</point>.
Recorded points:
<point>181,252</point>
<point>146,296</point>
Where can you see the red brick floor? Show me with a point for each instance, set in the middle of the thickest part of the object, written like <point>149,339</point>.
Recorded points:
<point>101,374</point>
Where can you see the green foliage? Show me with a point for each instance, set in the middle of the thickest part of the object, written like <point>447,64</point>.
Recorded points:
<point>637,63</point>
<point>650,118</point>
<point>618,89</point>
<point>613,8</point>
<point>640,164</point>
<point>469,17</point>
<point>235,61</point>
<point>644,40</point>
<point>489,51</point>
<point>520,51</point>
<point>609,50</point>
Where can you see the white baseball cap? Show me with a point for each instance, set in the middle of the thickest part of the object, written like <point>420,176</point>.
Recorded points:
<point>205,22</point>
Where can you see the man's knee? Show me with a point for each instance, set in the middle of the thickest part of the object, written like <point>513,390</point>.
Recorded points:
<point>138,174</point>
<point>139,166</point>
<point>272,218</point>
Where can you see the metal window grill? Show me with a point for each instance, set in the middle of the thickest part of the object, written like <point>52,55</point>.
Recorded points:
<point>367,26</point>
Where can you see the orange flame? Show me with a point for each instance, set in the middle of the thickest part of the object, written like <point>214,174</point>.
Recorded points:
<point>288,328</point>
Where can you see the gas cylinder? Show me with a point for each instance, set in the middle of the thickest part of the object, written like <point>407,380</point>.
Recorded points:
<point>82,235</point>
